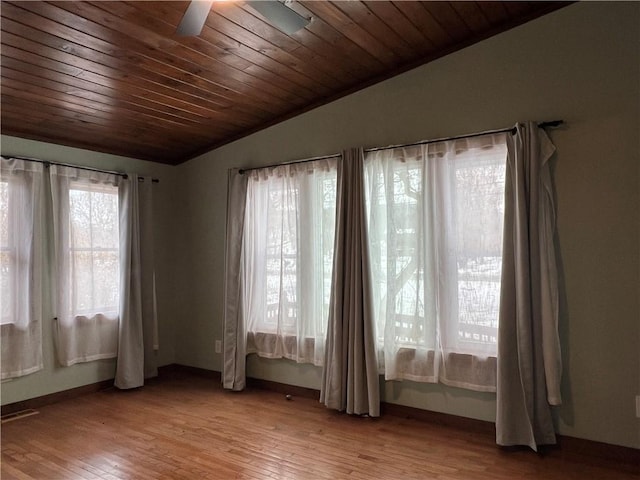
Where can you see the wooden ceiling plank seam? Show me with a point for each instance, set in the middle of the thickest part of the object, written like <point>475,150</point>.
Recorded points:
<point>260,61</point>
<point>121,149</point>
<point>472,16</point>
<point>76,82</point>
<point>101,102</point>
<point>145,46</point>
<point>220,73</point>
<point>151,16</point>
<point>361,14</point>
<point>7,23</point>
<point>315,75</point>
<point>219,31</point>
<point>332,15</point>
<point>494,11</point>
<point>515,8</point>
<point>142,61</point>
<point>62,126</point>
<point>256,60</point>
<point>192,127</point>
<point>340,59</point>
<point>197,47</point>
<point>188,95</point>
<point>69,127</point>
<point>102,110</point>
<point>446,16</point>
<point>423,20</point>
<point>350,51</point>
<point>90,93</point>
<point>292,44</point>
<point>222,24</point>
<point>225,105</point>
<point>51,107</point>
<point>387,12</point>
<point>173,75</point>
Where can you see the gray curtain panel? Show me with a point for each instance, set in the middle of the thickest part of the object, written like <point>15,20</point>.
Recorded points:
<point>350,374</point>
<point>137,334</point>
<point>235,338</point>
<point>529,367</point>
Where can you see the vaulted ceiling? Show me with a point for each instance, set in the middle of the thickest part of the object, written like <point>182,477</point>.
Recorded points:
<point>114,76</point>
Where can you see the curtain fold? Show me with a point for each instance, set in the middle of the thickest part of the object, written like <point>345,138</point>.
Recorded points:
<point>21,195</point>
<point>235,341</point>
<point>529,362</point>
<point>350,375</point>
<point>137,334</point>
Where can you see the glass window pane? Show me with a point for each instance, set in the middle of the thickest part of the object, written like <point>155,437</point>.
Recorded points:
<point>94,249</point>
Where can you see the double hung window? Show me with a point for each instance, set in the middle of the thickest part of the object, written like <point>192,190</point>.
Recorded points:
<point>86,224</point>
<point>435,215</point>
<point>93,251</point>
<point>288,258</point>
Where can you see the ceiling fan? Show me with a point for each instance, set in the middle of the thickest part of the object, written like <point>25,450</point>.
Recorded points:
<point>276,12</point>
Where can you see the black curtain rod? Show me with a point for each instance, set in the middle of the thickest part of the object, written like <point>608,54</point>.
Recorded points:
<point>512,130</point>
<point>324,157</point>
<point>46,163</point>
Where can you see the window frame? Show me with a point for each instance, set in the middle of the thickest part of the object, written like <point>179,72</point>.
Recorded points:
<point>106,312</point>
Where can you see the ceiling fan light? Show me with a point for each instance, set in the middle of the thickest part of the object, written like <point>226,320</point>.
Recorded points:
<point>280,15</point>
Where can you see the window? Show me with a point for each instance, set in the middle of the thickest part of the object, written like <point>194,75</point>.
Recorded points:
<point>288,258</point>
<point>93,250</point>
<point>21,265</point>
<point>435,216</point>
<point>87,238</point>
<point>7,258</point>
<point>81,259</point>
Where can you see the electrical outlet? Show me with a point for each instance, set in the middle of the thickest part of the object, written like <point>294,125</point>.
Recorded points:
<point>218,346</point>
<point>638,406</point>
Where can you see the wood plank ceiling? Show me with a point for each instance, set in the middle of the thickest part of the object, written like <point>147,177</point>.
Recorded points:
<point>114,77</point>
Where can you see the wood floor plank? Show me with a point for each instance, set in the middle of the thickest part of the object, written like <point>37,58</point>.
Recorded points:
<point>187,427</point>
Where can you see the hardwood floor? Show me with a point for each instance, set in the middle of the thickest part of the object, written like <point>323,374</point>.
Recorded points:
<point>189,428</point>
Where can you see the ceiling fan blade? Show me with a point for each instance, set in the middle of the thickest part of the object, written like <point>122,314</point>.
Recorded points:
<point>194,18</point>
<point>279,15</point>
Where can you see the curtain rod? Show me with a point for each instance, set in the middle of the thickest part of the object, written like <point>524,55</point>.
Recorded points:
<point>512,130</point>
<point>551,123</point>
<point>323,157</point>
<point>46,163</point>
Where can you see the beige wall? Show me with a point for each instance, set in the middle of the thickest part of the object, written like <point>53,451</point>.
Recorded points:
<point>54,378</point>
<point>580,64</point>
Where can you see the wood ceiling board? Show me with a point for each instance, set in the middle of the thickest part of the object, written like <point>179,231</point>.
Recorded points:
<point>114,77</point>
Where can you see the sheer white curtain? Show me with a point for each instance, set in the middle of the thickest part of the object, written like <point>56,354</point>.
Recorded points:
<point>138,327</point>
<point>288,243</point>
<point>87,256</point>
<point>435,214</point>
<point>21,266</point>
